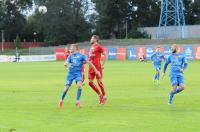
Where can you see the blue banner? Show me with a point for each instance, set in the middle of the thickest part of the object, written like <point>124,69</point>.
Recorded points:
<point>189,52</point>
<point>149,52</point>
<point>131,53</point>
<point>112,53</point>
<point>167,52</point>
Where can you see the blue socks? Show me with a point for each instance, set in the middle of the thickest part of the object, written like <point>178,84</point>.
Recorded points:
<point>78,94</point>
<point>63,95</point>
<point>171,94</point>
<point>157,76</point>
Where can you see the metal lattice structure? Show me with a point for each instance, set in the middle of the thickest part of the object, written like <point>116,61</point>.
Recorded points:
<point>172,19</point>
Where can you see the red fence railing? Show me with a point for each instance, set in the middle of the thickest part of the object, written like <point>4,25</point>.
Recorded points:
<point>11,45</point>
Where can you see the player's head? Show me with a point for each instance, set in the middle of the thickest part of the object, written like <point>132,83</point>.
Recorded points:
<point>174,48</point>
<point>158,49</point>
<point>94,39</point>
<point>74,48</point>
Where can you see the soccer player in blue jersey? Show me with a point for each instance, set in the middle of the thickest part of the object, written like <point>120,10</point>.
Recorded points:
<point>178,65</point>
<point>75,62</point>
<point>157,59</point>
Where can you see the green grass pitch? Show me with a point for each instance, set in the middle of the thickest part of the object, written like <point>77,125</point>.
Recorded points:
<point>29,95</point>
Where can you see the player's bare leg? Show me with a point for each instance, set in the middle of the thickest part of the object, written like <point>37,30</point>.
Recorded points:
<point>101,85</point>
<point>175,90</point>
<point>83,79</point>
<point>95,88</point>
<point>157,77</point>
<point>158,74</point>
<point>78,103</point>
<point>63,95</point>
<point>182,87</point>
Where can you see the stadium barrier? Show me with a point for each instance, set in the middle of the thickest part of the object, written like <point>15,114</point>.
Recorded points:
<point>27,58</point>
<point>121,53</point>
<point>32,58</point>
<point>131,54</point>
<point>197,53</point>
<point>192,52</point>
<point>5,58</point>
<point>60,53</point>
<point>135,52</point>
<point>112,53</point>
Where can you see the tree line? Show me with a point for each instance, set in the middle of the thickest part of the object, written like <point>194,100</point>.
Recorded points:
<point>69,21</point>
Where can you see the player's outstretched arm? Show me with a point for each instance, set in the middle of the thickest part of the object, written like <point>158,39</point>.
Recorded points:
<point>163,58</point>
<point>164,69</point>
<point>152,57</point>
<point>93,67</point>
<point>106,57</point>
<point>152,61</point>
<point>185,65</point>
<point>67,62</point>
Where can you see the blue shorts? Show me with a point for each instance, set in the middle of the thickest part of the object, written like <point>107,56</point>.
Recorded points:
<point>177,80</point>
<point>157,67</point>
<point>73,76</point>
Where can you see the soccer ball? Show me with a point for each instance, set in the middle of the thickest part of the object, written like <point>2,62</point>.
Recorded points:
<point>42,9</point>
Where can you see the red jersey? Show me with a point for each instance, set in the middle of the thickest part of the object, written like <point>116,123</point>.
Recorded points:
<point>66,53</point>
<point>95,56</point>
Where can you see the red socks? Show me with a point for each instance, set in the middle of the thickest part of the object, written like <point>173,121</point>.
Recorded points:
<point>102,88</point>
<point>94,87</point>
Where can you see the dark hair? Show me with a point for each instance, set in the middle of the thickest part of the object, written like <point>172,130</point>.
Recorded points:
<point>96,37</point>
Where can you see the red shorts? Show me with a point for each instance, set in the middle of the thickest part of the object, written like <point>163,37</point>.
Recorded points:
<point>92,75</point>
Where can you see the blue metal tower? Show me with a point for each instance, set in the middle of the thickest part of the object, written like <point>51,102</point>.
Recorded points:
<point>172,20</point>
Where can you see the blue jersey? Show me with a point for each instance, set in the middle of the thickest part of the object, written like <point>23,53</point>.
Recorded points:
<point>157,58</point>
<point>178,62</point>
<point>76,62</point>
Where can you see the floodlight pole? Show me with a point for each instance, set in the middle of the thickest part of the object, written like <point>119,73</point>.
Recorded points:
<point>172,14</point>
<point>126,29</point>
<point>2,40</point>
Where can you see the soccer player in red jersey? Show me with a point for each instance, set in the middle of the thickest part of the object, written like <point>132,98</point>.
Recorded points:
<point>66,53</point>
<point>96,51</point>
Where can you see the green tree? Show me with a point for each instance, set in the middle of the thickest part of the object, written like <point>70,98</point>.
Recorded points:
<point>64,22</point>
<point>12,17</point>
<point>114,15</point>
<point>192,12</point>
<point>33,25</point>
